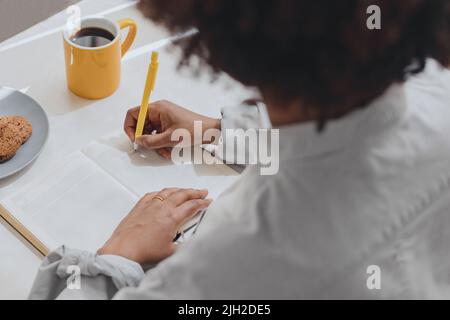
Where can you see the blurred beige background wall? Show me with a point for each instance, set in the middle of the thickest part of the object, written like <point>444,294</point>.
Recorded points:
<point>18,15</point>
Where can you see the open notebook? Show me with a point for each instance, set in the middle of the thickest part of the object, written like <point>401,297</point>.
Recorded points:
<point>81,202</point>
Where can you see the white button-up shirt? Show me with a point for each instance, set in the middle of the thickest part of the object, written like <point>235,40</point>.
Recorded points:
<point>359,211</point>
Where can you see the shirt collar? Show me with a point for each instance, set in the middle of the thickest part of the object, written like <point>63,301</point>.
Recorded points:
<point>303,140</point>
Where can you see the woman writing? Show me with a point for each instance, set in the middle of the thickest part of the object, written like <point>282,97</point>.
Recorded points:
<point>364,168</point>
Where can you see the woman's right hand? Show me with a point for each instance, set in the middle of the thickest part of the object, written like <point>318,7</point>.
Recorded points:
<point>164,117</point>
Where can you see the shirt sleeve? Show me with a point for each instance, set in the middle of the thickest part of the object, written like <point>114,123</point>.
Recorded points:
<point>245,116</point>
<point>75,274</point>
<point>235,123</point>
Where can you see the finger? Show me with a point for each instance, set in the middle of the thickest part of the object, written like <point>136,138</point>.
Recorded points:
<point>155,110</point>
<point>166,153</point>
<point>167,192</point>
<point>149,195</point>
<point>149,128</point>
<point>155,196</point>
<point>130,122</point>
<point>189,209</point>
<point>173,247</point>
<point>183,195</point>
<point>155,141</point>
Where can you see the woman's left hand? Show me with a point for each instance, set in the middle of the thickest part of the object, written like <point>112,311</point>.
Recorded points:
<point>146,234</point>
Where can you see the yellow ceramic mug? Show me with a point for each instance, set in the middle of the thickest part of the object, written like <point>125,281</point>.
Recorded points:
<point>94,72</point>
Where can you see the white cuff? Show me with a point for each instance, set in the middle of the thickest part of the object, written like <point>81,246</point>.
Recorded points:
<point>236,121</point>
<point>64,263</point>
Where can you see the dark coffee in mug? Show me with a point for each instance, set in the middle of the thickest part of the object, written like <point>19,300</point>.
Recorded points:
<point>93,55</point>
<point>92,37</point>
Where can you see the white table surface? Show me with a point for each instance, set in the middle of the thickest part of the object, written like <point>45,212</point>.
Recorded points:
<point>34,60</point>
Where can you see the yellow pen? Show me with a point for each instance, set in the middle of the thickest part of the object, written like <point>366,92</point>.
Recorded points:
<point>149,87</point>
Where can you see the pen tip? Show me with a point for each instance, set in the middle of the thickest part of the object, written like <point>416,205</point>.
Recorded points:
<point>135,146</point>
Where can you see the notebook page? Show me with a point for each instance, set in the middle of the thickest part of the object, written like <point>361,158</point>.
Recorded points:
<point>146,171</point>
<point>78,205</point>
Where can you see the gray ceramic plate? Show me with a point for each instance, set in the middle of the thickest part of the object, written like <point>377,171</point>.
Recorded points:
<point>13,103</point>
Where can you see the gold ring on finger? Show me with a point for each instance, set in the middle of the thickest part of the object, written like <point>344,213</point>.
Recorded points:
<point>158,198</point>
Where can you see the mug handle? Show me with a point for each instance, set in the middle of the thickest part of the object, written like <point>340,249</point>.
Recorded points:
<point>131,24</point>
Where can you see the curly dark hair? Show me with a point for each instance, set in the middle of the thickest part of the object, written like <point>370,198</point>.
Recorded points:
<point>319,52</point>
